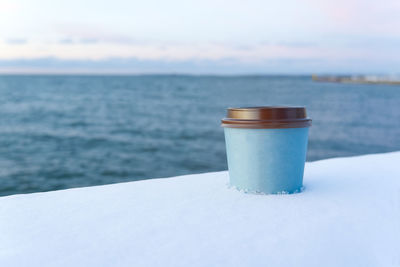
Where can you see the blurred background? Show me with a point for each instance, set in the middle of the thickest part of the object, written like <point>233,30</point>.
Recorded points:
<point>98,92</point>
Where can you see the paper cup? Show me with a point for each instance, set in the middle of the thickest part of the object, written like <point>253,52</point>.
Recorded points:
<point>266,148</point>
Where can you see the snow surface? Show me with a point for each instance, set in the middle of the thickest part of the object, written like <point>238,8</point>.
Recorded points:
<point>348,215</point>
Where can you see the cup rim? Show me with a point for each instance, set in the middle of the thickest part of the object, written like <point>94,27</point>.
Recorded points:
<point>266,117</point>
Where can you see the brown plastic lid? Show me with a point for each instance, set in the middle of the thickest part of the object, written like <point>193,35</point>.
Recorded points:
<point>268,117</point>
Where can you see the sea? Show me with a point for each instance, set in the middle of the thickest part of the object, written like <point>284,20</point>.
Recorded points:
<point>65,131</point>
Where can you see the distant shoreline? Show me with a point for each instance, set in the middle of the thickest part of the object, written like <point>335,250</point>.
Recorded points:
<point>357,79</point>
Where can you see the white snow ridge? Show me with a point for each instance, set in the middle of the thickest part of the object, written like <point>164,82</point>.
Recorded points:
<point>348,215</point>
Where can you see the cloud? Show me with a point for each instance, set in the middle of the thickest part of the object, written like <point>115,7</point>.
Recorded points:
<point>219,66</point>
<point>93,49</point>
<point>86,33</point>
<point>72,41</point>
<point>16,41</point>
<point>297,44</point>
<point>89,41</point>
<point>66,41</point>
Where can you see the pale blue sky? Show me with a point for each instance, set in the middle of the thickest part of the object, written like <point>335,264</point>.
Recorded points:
<point>285,36</point>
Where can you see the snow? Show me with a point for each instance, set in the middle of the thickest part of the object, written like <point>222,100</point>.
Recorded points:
<point>348,215</point>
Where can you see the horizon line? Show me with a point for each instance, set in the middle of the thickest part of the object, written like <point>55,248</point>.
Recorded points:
<point>217,74</point>
<point>119,73</point>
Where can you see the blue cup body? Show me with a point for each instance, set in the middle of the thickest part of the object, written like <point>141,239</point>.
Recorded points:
<point>269,161</point>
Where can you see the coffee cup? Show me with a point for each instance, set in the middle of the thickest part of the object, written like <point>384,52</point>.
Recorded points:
<point>266,148</point>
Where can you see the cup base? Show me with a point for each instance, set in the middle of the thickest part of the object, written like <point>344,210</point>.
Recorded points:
<point>256,192</point>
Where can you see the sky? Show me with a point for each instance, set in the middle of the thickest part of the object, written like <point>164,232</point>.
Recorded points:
<point>207,36</point>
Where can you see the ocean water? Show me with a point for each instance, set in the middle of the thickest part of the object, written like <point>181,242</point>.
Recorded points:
<point>59,132</point>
